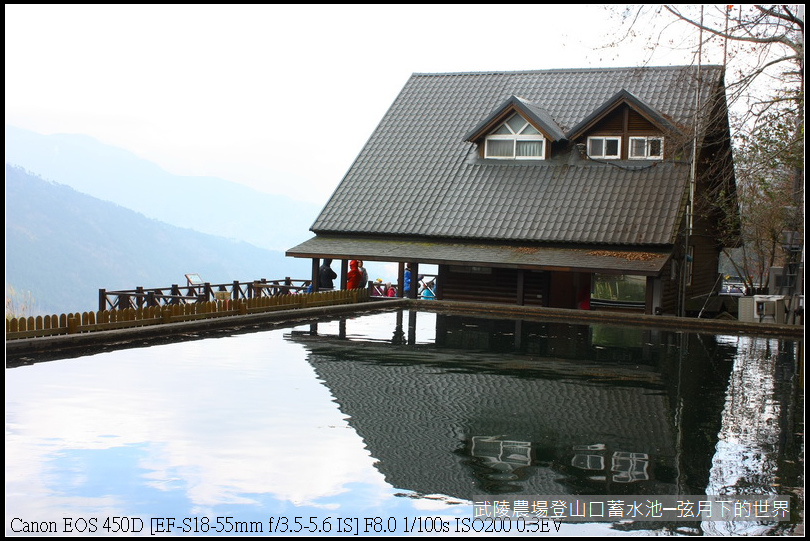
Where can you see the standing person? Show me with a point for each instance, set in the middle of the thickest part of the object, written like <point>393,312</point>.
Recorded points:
<point>363,273</point>
<point>407,281</point>
<point>427,292</point>
<point>326,275</point>
<point>354,277</point>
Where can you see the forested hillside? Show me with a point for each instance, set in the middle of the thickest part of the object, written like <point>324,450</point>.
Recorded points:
<point>62,246</point>
<point>207,204</point>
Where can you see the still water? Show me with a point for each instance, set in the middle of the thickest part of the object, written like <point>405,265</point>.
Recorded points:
<point>394,423</point>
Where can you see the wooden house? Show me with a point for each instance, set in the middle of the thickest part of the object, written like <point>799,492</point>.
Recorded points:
<point>531,187</point>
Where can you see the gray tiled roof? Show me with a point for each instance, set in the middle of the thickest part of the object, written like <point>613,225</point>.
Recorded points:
<point>417,176</point>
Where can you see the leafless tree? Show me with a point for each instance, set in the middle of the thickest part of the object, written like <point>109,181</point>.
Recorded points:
<point>762,48</point>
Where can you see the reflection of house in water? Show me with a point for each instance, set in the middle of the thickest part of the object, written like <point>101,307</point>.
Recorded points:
<point>465,422</point>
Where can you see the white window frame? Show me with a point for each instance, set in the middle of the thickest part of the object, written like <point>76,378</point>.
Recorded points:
<point>646,155</point>
<point>515,138</point>
<point>604,140</point>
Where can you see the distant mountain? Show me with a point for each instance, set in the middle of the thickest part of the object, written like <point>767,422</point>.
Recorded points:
<point>206,204</point>
<point>63,246</point>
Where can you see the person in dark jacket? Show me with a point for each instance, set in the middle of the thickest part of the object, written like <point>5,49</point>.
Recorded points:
<point>326,275</point>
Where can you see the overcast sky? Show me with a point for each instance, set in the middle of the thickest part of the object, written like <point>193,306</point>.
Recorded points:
<point>279,97</point>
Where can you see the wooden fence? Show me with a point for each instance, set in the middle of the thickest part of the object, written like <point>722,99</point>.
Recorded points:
<point>104,320</point>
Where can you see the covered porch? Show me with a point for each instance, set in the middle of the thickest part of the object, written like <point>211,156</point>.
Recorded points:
<point>550,276</point>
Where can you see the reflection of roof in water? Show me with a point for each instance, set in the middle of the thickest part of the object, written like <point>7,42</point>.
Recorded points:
<point>420,419</point>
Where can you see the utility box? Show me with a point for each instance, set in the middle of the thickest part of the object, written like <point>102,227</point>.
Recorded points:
<point>746,310</point>
<point>769,309</point>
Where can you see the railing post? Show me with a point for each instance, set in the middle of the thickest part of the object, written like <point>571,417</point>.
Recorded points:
<point>102,299</point>
<point>72,324</point>
<point>208,293</point>
<point>139,296</point>
<point>175,294</point>
<point>235,290</point>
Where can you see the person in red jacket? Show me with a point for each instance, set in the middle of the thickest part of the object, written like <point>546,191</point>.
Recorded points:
<point>354,278</point>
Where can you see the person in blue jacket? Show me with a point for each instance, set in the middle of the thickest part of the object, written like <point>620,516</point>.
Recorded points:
<point>407,281</point>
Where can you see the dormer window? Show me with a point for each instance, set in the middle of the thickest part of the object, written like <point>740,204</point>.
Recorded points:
<point>646,148</point>
<point>515,139</point>
<point>606,148</point>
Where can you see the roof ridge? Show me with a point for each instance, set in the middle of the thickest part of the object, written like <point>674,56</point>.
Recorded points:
<point>561,70</point>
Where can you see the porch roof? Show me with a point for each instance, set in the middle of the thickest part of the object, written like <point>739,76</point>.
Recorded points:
<point>648,262</point>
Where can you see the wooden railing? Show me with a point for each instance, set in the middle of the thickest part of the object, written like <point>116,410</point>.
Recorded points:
<point>103,320</point>
<point>196,293</point>
<point>426,287</point>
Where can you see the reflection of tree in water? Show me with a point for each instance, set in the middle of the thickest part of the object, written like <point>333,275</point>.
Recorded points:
<point>754,420</point>
<point>750,432</point>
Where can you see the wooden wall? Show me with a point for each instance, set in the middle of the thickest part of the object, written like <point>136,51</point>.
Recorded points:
<point>480,284</point>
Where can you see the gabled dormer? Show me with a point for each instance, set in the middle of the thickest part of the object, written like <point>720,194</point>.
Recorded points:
<point>624,128</point>
<point>516,130</point>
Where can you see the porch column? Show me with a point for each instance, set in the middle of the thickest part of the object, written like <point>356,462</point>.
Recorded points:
<point>652,304</point>
<point>401,279</point>
<point>344,273</point>
<point>414,281</point>
<point>316,265</point>
<point>443,270</point>
<point>521,286</point>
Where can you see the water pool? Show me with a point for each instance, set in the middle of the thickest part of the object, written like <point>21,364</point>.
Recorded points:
<point>395,423</point>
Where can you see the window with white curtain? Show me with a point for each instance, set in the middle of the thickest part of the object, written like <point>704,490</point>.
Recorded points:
<point>646,148</point>
<point>515,139</point>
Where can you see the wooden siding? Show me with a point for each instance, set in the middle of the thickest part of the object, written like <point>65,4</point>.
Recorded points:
<point>637,124</point>
<point>499,285</point>
<point>624,122</point>
<point>478,284</point>
<point>536,288</point>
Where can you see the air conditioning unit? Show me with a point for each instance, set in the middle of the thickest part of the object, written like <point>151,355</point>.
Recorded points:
<point>769,309</point>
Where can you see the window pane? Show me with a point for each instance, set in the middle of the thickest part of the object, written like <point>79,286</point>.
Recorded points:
<point>529,148</point>
<point>500,148</point>
<point>595,147</point>
<point>530,130</point>
<point>614,287</point>
<point>611,147</point>
<point>503,130</point>
<point>655,148</point>
<point>638,147</point>
<point>516,122</point>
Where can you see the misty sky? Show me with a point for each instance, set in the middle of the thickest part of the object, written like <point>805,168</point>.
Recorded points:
<point>278,97</point>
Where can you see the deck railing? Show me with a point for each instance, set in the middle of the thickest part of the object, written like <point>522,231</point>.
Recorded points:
<point>129,317</point>
<point>426,287</point>
<point>196,293</point>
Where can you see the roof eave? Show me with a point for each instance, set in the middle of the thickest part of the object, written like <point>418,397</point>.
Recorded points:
<point>535,115</point>
<point>623,97</point>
